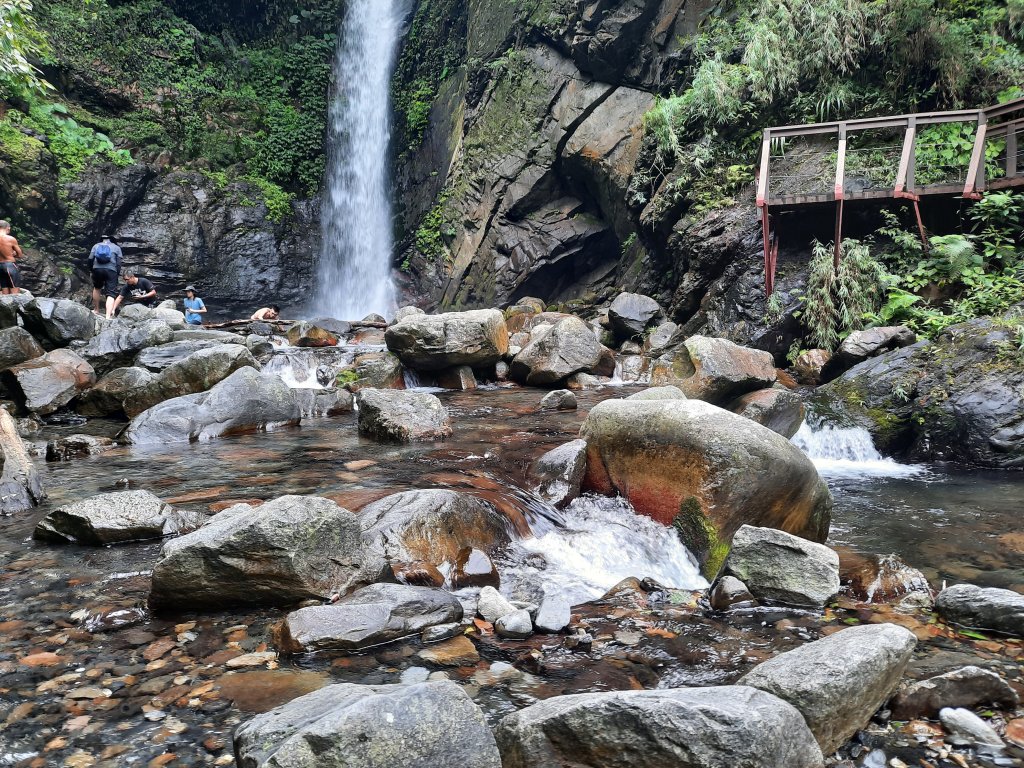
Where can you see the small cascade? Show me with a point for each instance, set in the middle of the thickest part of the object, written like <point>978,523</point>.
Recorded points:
<point>599,542</point>
<point>848,452</point>
<point>309,367</point>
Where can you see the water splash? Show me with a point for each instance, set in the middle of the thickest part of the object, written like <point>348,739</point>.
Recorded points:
<point>356,251</point>
<point>600,542</point>
<point>848,452</point>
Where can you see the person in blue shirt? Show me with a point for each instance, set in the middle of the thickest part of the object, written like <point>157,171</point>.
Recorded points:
<point>194,307</point>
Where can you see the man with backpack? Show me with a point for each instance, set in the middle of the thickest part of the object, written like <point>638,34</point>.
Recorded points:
<point>105,263</point>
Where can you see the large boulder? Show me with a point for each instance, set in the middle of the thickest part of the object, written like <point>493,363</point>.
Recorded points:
<point>478,338</point>
<point>160,357</point>
<point>287,550</point>
<point>374,370</point>
<point>1000,610</point>
<point>111,518</point>
<point>58,322</point>
<point>783,568</point>
<point>246,401</point>
<point>703,470</point>
<point>860,345</point>
<point>50,382</point>
<point>559,473</point>
<point>196,373</point>
<point>117,345</point>
<point>369,616</point>
<point>838,682</point>
<point>113,391</point>
<point>957,398</point>
<point>20,485</point>
<point>438,528</point>
<point>965,687</point>
<point>631,313</point>
<point>715,370</point>
<point>16,346</point>
<point>425,725</point>
<point>734,726</point>
<point>568,347</point>
<point>779,409</point>
<point>400,417</point>
<point>311,335</point>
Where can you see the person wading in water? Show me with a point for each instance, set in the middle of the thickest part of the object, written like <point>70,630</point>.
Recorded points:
<point>10,277</point>
<point>105,264</point>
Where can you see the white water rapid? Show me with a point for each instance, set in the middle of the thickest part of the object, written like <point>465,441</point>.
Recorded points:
<point>848,452</point>
<point>356,250</point>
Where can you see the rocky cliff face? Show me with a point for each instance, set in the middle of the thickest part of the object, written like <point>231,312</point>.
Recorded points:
<point>533,177</point>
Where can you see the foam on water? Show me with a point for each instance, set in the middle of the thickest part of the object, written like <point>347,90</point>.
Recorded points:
<point>602,541</point>
<point>848,452</point>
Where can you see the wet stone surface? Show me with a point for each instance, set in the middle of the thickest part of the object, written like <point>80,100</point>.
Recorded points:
<point>88,677</point>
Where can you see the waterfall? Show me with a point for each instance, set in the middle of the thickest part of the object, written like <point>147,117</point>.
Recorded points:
<point>356,250</point>
<point>847,452</point>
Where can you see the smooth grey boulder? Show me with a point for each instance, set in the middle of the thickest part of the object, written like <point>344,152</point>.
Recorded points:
<point>66,448</point>
<point>714,370</point>
<point>196,373</point>
<point>999,610</point>
<point>160,357</point>
<point>569,347</point>
<point>733,726</point>
<point>16,346</point>
<point>515,626</point>
<point>246,401</point>
<point>50,382</point>
<point>289,549</point>
<point>208,334</point>
<point>319,403</point>
<point>425,725</point>
<point>667,392</point>
<point>662,338</point>
<point>117,345</point>
<point>860,345</point>
<point>965,727</point>
<point>728,591</point>
<point>968,687</point>
<point>397,416</point>
<point>111,518</point>
<point>553,615</point>
<point>783,568</point>
<point>409,311</point>
<point>631,313</point>
<point>492,605</point>
<point>838,682</point>
<point>134,313</point>
<point>171,316</point>
<point>57,322</point>
<point>435,527</point>
<point>478,338</point>
<point>777,408</point>
<point>111,392</point>
<point>378,613</point>
<point>558,400</point>
<point>559,473</point>
<point>20,485</point>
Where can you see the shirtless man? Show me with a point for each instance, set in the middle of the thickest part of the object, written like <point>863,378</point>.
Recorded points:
<point>10,278</point>
<point>267,313</point>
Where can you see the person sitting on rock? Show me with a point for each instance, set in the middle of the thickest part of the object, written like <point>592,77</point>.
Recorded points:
<point>138,289</point>
<point>267,313</point>
<point>105,265</point>
<point>194,307</point>
<point>10,277</point>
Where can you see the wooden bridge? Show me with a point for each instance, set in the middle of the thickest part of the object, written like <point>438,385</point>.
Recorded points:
<point>901,157</point>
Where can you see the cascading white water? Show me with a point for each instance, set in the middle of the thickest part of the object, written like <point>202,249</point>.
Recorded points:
<point>847,451</point>
<point>356,250</point>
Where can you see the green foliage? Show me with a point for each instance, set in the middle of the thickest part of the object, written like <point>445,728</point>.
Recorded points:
<point>998,220</point>
<point>431,237</point>
<point>837,300</point>
<point>21,42</point>
<point>278,202</point>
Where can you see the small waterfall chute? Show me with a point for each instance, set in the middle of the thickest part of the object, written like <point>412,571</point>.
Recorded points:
<point>848,452</point>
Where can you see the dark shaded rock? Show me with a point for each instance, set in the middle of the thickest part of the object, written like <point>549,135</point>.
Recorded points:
<point>425,725</point>
<point>160,357</point>
<point>559,473</point>
<point>704,470</point>
<point>733,726</point>
<point>117,345</point>
<point>58,322</point>
<point>290,549</point>
<point>401,417</point>
<point>311,335</point>
<point>558,400</point>
<point>460,378</point>
<point>714,370</point>
<point>631,313</point>
<point>196,373</point>
<point>838,682</point>
<point>778,409</point>
<point>16,346</point>
<point>20,485</point>
<point>434,342</point>
<point>369,616</point>
<point>111,518</point>
<point>111,392</point>
<point>662,338</point>
<point>999,610</point>
<point>968,687</point>
<point>66,448</point>
<point>246,401</point>
<point>50,382</point>
<point>783,568</point>
<point>551,356</point>
<point>728,591</point>
<point>860,345</point>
